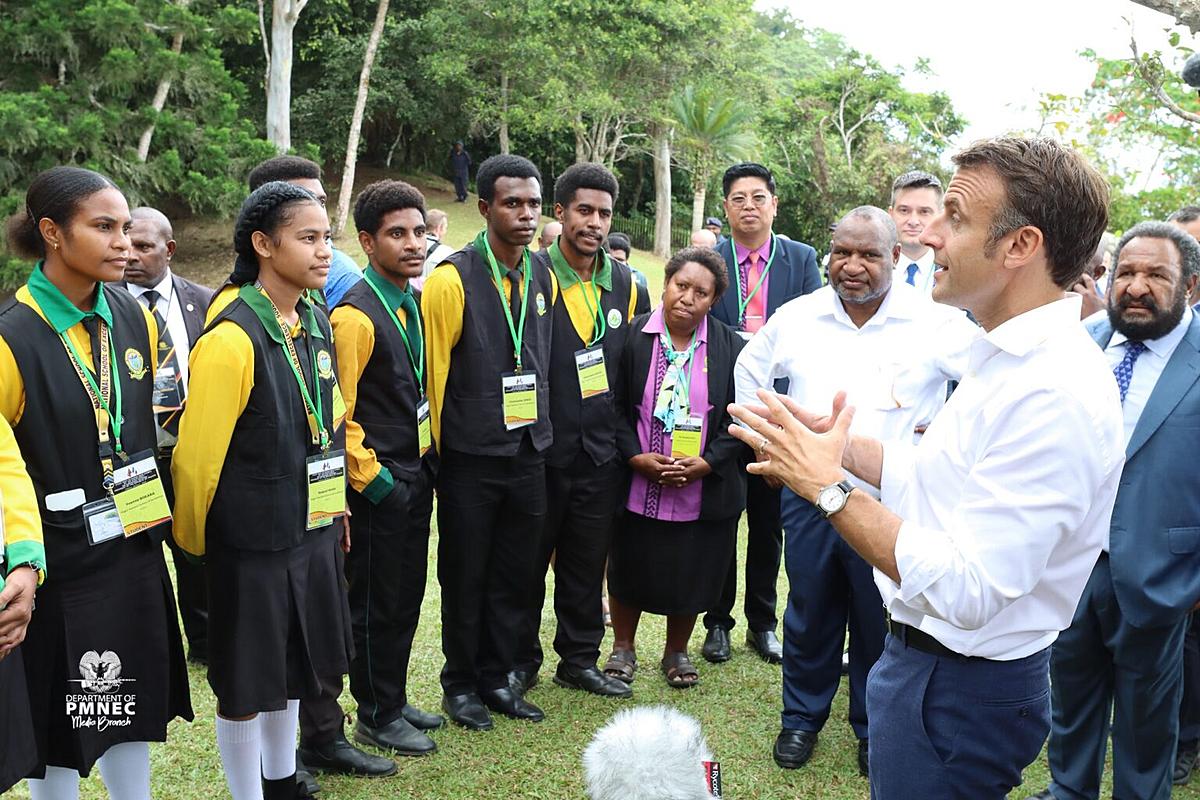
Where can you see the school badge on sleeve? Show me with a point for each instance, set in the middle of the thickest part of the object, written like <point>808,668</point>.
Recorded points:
<point>324,365</point>
<point>136,364</point>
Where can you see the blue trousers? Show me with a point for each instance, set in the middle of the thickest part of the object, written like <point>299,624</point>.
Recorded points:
<point>1102,667</point>
<point>954,728</point>
<point>829,585</point>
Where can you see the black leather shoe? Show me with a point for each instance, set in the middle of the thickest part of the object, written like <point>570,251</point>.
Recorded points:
<point>306,784</point>
<point>511,704</point>
<point>864,760</point>
<point>590,679</point>
<point>793,749</point>
<point>1044,794</point>
<point>342,758</point>
<point>398,736</point>
<point>767,645</point>
<point>422,720</point>
<point>1185,763</point>
<point>522,680</point>
<point>288,788</point>
<point>467,710</point>
<point>716,645</point>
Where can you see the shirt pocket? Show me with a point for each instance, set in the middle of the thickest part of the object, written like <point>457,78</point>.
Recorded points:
<point>1183,540</point>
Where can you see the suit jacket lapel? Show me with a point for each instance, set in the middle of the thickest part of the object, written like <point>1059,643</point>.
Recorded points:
<point>1177,378</point>
<point>777,281</point>
<point>193,321</point>
<point>728,303</point>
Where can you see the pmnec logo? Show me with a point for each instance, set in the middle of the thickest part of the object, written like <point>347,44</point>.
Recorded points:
<point>102,704</point>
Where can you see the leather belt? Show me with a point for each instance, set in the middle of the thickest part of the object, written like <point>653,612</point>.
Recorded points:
<point>919,640</point>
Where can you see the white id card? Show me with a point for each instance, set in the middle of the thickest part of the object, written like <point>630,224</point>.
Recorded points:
<point>102,521</point>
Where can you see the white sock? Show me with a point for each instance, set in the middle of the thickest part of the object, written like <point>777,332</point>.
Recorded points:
<point>60,783</point>
<point>279,741</point>
<point>125,769</point>
<point>239,743</point>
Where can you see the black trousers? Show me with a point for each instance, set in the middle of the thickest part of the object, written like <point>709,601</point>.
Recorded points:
<point>321,719</point>
<point>491,510</point>
<point>764,548</point>
<point>460,185</point>
<point>1189,708</point>
<point>582,501</point>
<point>386,566</point>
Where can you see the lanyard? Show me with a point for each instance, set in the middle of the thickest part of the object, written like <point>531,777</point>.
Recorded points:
<point>670,353</point>
<point>517,331</point>
<point>600,325</point>
<point>417,361</point>
<point>99,395</point>
<point>316,424</point>
<point>743,303</point>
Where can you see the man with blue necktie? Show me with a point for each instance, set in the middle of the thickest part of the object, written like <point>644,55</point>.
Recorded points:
<point>916,199</point>
<point>1122,657</point>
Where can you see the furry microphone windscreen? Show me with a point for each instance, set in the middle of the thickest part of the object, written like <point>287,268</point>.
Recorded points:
<point>647,753</point>
<point>1191,71</point>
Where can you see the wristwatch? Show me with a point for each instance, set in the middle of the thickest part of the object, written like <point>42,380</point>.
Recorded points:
<point>832,498</point>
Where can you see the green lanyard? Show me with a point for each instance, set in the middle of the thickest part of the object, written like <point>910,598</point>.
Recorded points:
<point>316,422</point>
<point>99,394</point>
<point>670,352</point>
<point>600,325</point>
<point>743,303</point>
<point>417,361</point>
<point>517,331</point>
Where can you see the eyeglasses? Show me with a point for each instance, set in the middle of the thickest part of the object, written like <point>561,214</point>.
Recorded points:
<point>759,200</point>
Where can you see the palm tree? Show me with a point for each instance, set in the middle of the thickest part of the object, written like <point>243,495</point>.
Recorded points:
<point>710,130</point>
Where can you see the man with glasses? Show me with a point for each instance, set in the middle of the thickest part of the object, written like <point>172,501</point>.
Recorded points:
<point>765,271</point>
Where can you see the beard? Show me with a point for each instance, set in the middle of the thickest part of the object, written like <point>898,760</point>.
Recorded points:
<point>1160,324</point>
<point>872,294</point>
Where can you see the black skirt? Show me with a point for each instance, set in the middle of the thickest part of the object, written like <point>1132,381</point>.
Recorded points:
<point>278,622</point>
<point>16,724</point>
<point>104,660</point>
<point>670,567</point>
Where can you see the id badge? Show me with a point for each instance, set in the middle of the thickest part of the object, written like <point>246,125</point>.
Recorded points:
<point>424,432</point>
<point>167,394</point>
<point>593,377</point>
<point>685,441</point>
<point>520,399</point>
<point>326,488</point>
<point>102,521</point>
<point>138,494</point>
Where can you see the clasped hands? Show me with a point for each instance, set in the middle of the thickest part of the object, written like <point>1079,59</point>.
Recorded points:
<point>668,471</point>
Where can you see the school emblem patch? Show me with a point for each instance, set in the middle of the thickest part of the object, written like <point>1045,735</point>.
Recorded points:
<point>136,364</point>
<point>540,300</point>
<point>614,318</point>
<point>324,365</point>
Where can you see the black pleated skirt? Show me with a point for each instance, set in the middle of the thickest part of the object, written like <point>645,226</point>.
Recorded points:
<point>17,745</point>
<point>670,567</point>
<point>278,622</point>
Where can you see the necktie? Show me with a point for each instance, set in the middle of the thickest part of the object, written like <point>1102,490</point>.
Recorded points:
<point>168,400</point>
<point>1124,371</point>
<point>912,275</point>
<point>411,326</point>
<point>756,307</point>
<point>514,296</point>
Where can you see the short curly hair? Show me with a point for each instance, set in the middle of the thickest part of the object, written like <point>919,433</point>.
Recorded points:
<point>705,257</point>
<point>381,197</point>
<point>503,166</point>
<point>584,176</point>
<point>267,209</point>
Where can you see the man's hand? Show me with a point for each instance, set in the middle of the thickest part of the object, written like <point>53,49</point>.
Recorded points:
<point>652,466</point>
<point>16,608</point>
<point>346,532</point>
<point>1086,289</point>
<point>685,470</point>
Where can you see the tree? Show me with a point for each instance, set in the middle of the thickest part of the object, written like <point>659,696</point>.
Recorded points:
<point>360,105</point>
<point>710,130</point>
<point>1185,12</point>
<point>284,15</point>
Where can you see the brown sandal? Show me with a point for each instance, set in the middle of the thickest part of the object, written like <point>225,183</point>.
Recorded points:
<point>679,671</point>
<point>622,665</point>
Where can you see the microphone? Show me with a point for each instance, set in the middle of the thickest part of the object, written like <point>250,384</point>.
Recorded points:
<point>651,753</point>
<point>1191,71</point>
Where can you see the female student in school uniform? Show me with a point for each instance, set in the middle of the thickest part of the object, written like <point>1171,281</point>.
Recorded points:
<point>103,655</point>
<point>259,475</point>
<point>671,548</point>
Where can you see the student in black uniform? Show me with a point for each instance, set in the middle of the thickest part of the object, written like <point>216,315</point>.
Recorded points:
<point>488,326</point>
<point>103,656</point>
<point>260,490</point>
<point>597,298</point>
<point>390,461</point>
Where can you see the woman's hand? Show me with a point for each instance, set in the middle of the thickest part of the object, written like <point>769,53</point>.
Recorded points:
<point>652,466</point>
<point>685,471</point>
<point>16,608</point>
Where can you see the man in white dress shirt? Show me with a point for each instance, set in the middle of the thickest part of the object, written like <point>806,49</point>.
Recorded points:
<point>989,528</point>
<point>916,199</point>
<point>895,353</point>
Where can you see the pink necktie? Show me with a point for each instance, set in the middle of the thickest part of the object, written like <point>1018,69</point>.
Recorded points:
<point>756,309</point>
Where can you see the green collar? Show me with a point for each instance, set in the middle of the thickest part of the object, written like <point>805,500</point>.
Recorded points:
<point>567,276</point>
<point>391,293</point>
<point>60,312</point>
<point>260,304</point>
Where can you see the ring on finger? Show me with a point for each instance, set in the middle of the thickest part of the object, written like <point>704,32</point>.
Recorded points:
<point>762,445</point>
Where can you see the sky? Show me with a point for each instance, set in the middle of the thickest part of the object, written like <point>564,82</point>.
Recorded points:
<point>994,59</point>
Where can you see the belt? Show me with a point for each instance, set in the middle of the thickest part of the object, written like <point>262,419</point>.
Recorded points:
<point>919,640</point>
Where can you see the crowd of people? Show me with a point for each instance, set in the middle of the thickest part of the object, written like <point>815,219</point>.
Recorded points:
<point>990,494</point>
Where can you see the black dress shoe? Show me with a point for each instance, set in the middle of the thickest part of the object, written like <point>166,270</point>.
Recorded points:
<point>793,749</point>
<point>716,645</point>
<point>422,720</point>
<point>767,645</point>
<point>511,704</point>
<point>306,784</point>
<point>289,788</point>
<point>342,758</point>
<point>467,710</point>
<point>864,760</point>
<point>1185,763</point>
<point>522,680</point>
<point>590,679</point>
<point>398,736</point>
<point>1044,794</point>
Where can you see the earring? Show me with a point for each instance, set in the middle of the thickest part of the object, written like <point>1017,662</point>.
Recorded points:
<point>56,245</point>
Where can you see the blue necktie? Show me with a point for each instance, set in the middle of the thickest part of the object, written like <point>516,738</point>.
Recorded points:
<point>1124,370</point>
<point>912,275</point>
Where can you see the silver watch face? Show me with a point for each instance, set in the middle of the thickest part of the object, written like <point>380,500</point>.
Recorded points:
<point>831,499</point>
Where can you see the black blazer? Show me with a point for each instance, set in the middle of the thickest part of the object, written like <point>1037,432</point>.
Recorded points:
<point>193,302</point>
<point>723,494</point>
<point>794,273</point>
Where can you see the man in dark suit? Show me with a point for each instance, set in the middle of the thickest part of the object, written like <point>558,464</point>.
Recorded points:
<point>178,307</point>
<point>765,271</point>
<point>1122,657</point>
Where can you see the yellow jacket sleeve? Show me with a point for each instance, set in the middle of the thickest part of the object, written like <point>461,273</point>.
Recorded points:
<point>220,301</point>
<point>442,304</point>
<point>22,532</point>
<point>354,337</point>
<point>221,370</point>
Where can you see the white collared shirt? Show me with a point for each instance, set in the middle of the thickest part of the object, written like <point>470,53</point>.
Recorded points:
<point>1007,499</point>
<point>169,307</point>
<point>894,368</point>
<point>1146,370</point>
<point>923,280</point>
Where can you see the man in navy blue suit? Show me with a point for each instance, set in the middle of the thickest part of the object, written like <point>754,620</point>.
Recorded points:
<point>1122,657</point>
<point>765,271</point>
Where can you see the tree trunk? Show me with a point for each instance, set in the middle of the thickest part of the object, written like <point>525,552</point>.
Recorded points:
<point>360,107</point>
<point>160,96</point>
<point>580,142</point>
<point>279,80</point>
<point>504,145</point>
<point>662,192</point>
<point>1185,12</point>
<point>699,193</point>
